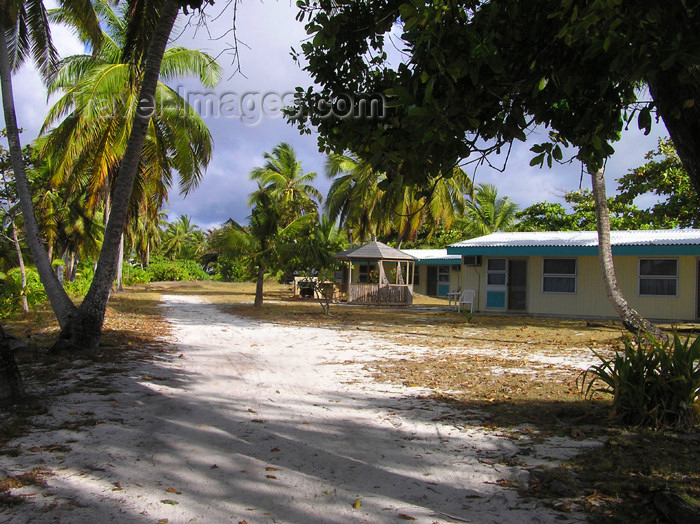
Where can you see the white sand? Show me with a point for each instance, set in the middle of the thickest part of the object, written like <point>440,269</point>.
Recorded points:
<point>262,423</point>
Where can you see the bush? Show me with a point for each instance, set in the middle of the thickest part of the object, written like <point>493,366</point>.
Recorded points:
<point>11,291</point>
<point>136,275</point>
<point>163,270</point>
<point>652,383</point>
<point>83,279</point>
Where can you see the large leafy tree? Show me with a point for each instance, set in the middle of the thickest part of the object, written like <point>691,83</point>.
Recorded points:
<point>151,22</point>
<point>547,216</point>
<point>477,75</point>
<point>664,178</point>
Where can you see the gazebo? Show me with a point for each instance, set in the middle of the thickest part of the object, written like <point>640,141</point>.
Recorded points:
<point>378,274</point>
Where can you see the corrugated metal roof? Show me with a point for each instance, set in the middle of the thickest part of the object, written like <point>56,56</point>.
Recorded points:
<point>373,251</point>
<point>431,254</point>
<point>652,237</point>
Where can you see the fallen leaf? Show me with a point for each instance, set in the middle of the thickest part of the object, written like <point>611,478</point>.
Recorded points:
<point>275,450</point>
<point>270,468</point>
<point>163,521</point>
<point>170,502</point>
<point>406,517</point>
<point>250,410</point>
<point>173,490</point>
<point>357,504</point>
<point>258,421</point>
<point>214,467</point>
<point>271,477</point>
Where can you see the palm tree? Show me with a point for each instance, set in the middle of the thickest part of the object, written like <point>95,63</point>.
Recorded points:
<point>488,212</point>
<point>182,238</point>
<point>89,143</point>
<point>354,196</point>
<point>374,205</point>
<point>283,179</point>
<point>24,32</point>
<point>266,235</point>
<point>151,23</point>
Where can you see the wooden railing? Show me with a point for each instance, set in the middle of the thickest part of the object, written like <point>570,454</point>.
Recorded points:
<point>384,294</point>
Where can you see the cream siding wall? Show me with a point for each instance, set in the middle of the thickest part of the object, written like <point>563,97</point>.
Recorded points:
<point>590,299</point>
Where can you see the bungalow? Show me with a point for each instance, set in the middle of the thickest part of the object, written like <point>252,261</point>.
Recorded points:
<point>558,273</point>
<point>437,273</point>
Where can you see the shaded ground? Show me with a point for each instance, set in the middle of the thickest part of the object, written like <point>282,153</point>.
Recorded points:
<point>466,408</point>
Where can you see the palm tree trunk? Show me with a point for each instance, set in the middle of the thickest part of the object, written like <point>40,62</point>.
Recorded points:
<point>22,269</point>
<point>120,266</point>
<point>61,304</point>
<point>259,286</point>
<point>631,319</point>
<point>86,328</point>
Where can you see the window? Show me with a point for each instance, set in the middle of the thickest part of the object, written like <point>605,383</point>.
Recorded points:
<point>362,276</point>
<point>658,276</point>
<point>559,275</point>
<point>416,275</point>
<point>444,274</point>
<point>496,272</point>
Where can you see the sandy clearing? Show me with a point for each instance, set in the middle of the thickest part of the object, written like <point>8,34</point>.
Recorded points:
<point>266,423</point>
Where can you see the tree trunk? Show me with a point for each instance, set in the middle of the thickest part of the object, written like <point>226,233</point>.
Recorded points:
<point>86,327</point>
<point>120,266</point>
<point>631,319</point>
<point>259,286</point>
<point>61,304</point>
<point>11,385</point>
<point>678,105</point>
<point>22,269</point>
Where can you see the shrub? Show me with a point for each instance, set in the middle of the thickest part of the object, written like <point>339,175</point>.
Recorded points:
<point>163,270</point>
<point>652,383</point>
<point>136,275</point>
<point>11,291</point>
<point>83,279</point>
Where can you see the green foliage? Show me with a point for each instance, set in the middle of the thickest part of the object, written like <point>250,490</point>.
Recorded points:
<point>664,177</point>
<point>83,279</point>
<point>546,216</point>
<point>135,275</point>
<point>652,383</point>
<point>478,75</point>
<point>11,291</point>
<point>163,270</point>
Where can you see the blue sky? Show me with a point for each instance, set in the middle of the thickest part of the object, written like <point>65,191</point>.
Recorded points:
<point>268,31</point>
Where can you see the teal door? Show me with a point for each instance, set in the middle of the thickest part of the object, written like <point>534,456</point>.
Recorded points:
<point>496,286</point>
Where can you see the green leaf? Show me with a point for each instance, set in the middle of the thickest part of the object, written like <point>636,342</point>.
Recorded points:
<point>644,120</point>
<point>543,83</point>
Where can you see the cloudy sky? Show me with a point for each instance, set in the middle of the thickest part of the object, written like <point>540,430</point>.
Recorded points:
<point>269,31</point>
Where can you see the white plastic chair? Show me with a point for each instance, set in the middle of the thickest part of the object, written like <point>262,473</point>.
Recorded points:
<point>467,297</point>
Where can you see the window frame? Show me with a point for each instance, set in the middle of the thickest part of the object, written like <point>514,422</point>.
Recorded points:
<point>641,277</point>
<point>573,276</point>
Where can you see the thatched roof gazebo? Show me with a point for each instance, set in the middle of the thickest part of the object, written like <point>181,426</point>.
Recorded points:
<point>378,274</point>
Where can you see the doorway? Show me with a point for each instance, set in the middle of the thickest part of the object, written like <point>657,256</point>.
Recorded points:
<point>506,284</point>
<point>517,285</point>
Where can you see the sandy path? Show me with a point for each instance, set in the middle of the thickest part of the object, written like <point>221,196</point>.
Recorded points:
<point>263,423</point>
